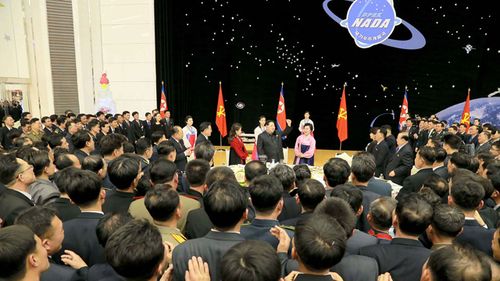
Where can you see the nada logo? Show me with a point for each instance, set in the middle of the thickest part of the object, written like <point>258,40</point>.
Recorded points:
<point>370,22</point>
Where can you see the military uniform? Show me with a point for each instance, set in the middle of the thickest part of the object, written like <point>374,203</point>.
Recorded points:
<point>259,230</point>
<point>171,234</point>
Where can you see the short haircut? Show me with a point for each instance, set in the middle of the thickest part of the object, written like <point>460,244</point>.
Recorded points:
<point>266,192</point>
<point>39,159</point>
<point>187,118</point>
<point>414,214</point>
<point>61,120</point>
<point>459,263</point>
<point>128,147</point>
<point>122,171</point>
<point>285,175</point>
<point>83,187</point>
<point>340,210</point>
<point>311,193</point>
<point>134,113</point>
<point>225,203</point>
<point>440,154</point>
<point>467,195</point>
<point>164,148</point>
<point>430,196</point>
<point>302,173</point>
<point>156,136</point>
<point>63,161</point>
<point>461,160</point>
<point>109,224</point>
<point>447,220</point>
<point>38,219</point>
<point>437,184</point>
<point>251,261</point>
<point>204,151</point>
<point>161,202</point>
<point>142,145</point>
<point>18,241</point>
<point>8,168</point>
<point>55,140</point>
<point>336,171</point>
<point>352,195</point>
<point>80,138</point>
<point>110,143</point>
<point>204,126</point>
<point>162,171</point>
<point>427,154</point>
<point>92,123</point>
<point>135,250</point>
<point>34,120</point>
<point>196,172</point>
<point>320,242</point>
<point>254,169</point>
<point>220,173</point>
<point>93,163</point>
<point>125,112</point>
<point>381,212</point>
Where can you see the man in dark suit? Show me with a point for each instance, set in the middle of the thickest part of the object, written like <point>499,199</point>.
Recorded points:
<point>182,153</point>
<point>483,141</point>
<point>205,133</point>
<point>423,161</point>
<point>404,257</point>
<point>6,131</point>
<point>227,216</point>
<point>401,162</point>
<point>379,186</point>
<point>47,125</point>
<point>169,124</point>
<point>381,152</point>
<point>125,125</point>
<point>147,125</point>
<point>48,227</point>
<point>136,127</point>
<point>467,195</point>
<point>286,176</point>
<point>389,138</point>
<point>16,175</point>
<point>84,189</point>
<point>270,143</point>
<point>310,193</point>
<point>65,209</point>
<point>412,131</point>
<point>124,173</point>
<point>439,166</point>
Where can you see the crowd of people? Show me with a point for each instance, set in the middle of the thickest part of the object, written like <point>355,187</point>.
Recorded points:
<point>113,197</point>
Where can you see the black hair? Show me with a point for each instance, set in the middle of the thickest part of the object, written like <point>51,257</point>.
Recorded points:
<point>251,261</point>
<point>381,212</point>
<point>336,171</point>
<point>92,123</point>
<point>414,214</point>
<point>162,171</point>
<point>350,194</point>
<point>225,203</point>
<point>340,210</point>
<point>447,220</point>
<point>187,118</point>
<point>164,148</point>
<point>196,172</point>
<point>80,139</point>
<point>38,219</point>
<point>440,154</point>
<point>109,224</point>
<point>437,184</point>
<point>363,166</point>
<point>55,140</point>
<point>45,118</point>
<point>134,113</point>
<point>61,120</point>
<point>319,242</point>
<point>430,196</point>
<point>39,159</point>
<point>266,192</point>
<point>18,241</point>
<point>205,151</point>
<point>427,154</point>
<point>204,126</point>
<point>142,145</point>
<point>109,143</point>
<point>156,136</point>
<point>135,250</point>
<point>461,160</point>
<point>128,147</point>
<point>93,163</point>
<point>161,202</point>
<point>83,187</point>
<point>122,171</point>
<point>34,120</point>
<point>63,161</point>
<point>268,121</point>
<point>285,175</point>
<point>220,173</point>
<point>302,173</point>
<point>8,168</point>
<point>311,193</point>
<point>467,195</point>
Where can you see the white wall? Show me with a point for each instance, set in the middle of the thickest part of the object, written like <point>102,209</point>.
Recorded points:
<point>116,36</point>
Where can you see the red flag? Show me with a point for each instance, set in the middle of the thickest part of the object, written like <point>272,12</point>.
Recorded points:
<point>163,100</point>
<point>404,112</point>
<point>281,112</point>
<point>220,116</point>
<point>342,118</point>
<point>466,113</point>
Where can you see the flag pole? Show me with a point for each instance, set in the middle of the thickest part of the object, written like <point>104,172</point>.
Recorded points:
<point>340,146</point>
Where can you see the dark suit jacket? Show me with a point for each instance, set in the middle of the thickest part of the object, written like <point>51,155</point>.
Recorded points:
<point>402,258</point>
<point>102,271</point>
<point>272,145</point>
<point>290,207</point>
<point>381,154</point>
<point>80,155</point>
<point>368,198</point>
<point>80,236</point>
<point>294,221</point>
<point>57,272</point>
<point>148,128</point>
<point>260,230</point>
<point>125,129</point>
<point>180,158</point>
<point>391,143</point>
<point>423,137</point>
<point>169,126</point>
<point>211,248</point>
<point>485,147</point>
<point>137,130</point>
<point>65,209</point>
<point>489,216</point>
<point>414,183</point>
<point>401,163</point>
<point>5,139</point>
<point>198,224</point>
<point>379,186</point>
<point>201,139</point>
<point>476,236</point>
<point>442,172</point>
<point>359,240</point>
<point>117,201</point>
<point>12,203</point>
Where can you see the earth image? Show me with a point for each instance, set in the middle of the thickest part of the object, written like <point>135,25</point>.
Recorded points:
<point>486,109</point>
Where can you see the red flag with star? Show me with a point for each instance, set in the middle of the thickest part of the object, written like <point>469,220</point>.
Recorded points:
<point>220,116</point>
<point>163,101</point>
<point>342,119</point>
<point>281,112</point>
<point>466,113</point>
<point>404,112</point>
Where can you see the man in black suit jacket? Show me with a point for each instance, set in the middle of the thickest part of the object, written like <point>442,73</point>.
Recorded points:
<point>205,133</point>
<point>17,175</point>
<point>227,215</point>
<point>401,162</point>
<point>6,131</point>
<point>124,173</point>
<point>439,166</point>
<point>270,143</point>
<point>136,128</point>
<point>84,188</point>
<point>404,257</point>
<point>379,186</point>
<point>182,153</point>
<point>381,152</point>
<point>286,175</point>
<point>147,125</point>
<point>310,193</point>
<point>424,161</point>
<point>169,124</point>
<point>389,138</point>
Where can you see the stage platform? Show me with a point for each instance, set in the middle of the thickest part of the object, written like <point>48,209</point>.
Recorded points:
<point>320,157</point>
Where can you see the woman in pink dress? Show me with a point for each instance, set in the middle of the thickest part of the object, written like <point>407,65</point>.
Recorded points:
<point>305,146</point>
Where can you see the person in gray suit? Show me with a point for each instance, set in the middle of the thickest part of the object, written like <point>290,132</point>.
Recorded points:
<point>484,144</point>
<point>225,204</point>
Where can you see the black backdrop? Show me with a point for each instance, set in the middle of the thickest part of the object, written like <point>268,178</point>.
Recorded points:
<point>253,46</point>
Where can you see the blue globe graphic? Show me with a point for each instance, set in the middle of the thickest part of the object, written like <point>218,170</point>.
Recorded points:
<point>486,109</point>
